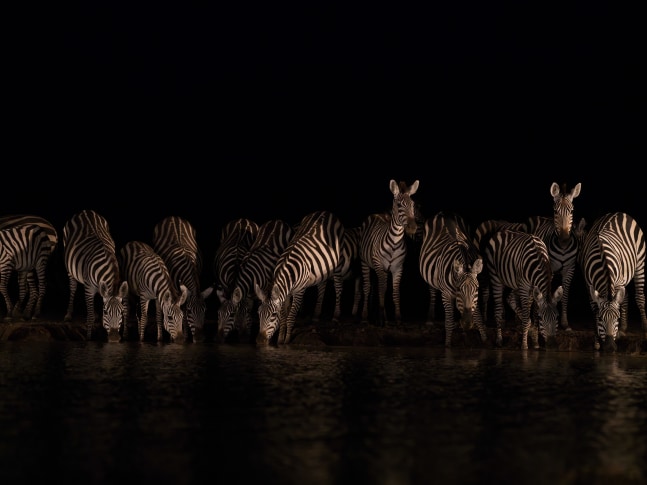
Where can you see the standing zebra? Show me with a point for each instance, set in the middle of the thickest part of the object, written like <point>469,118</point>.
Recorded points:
<point>32,308</point>
<point>236,237</point>
<point>149,279</point>
<point>345,270</point>
<point>613,255</point>
<point>174,240</point>
<point>449,263</point>
<point>557,234</point>
<point>26,249</point>
<point>383,248</point>
<point>310,258</point>
<point>519,261</point>
<point>90,259</point>
<point>256,267</point>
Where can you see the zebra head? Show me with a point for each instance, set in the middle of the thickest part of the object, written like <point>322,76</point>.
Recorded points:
<point>563,210</point>
<point>547,313</point>
<point>227,312</point>
<point>404,209</point>
<point>608,318</point>
<point>194,312</point>
<point>113,308</point>
<point>467,291</point>
<point>170,306</point>
<point>269,314</point>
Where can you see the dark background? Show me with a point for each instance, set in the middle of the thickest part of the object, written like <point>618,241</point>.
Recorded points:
<point>219,110</point>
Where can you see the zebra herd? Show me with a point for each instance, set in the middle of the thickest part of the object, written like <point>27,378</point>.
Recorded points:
<point>261,272</point>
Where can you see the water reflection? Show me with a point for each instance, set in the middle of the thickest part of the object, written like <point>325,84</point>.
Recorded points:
<point>87,412</point>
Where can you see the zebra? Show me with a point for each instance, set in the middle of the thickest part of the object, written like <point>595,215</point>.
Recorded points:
<point>450,264</point>
<point>519,261</point>
<point>612,256</point>
<point>481,238</point>
<point>310,258</point>
<point>32,309</point>
<point>174,240</point>
<point>346,270</point>
<point>149,279</point>
<point>25,249</point>
<point>236,237</point>
<point>556,233</point>
<point>383,248</point>
<point>257,266</point>
<point>91,260</point>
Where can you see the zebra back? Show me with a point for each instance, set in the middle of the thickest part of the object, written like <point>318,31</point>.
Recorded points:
<point>90,260</point>
<point>613,255</point>
<point>149,279</point>
<point>310,258</point>
<point>519,261</point>
<point>175,241</point>
<point>26,249</point>
<point>449,263</point>
<point>256,267</point>
<point>236,237</point>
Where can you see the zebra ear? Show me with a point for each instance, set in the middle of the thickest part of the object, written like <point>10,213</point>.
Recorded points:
<point>259,293</point>
<point>414,187</point>
<point>620,295</point>
<point>576,191</point>
<point>123,290</point>
<point>458,268</point>
<point>538,295</point>
<point>559,292</point>
<point>237,295</point>
<point>206,292</point>
<point>595,296</point>
<point>184,293</point>
<point>103,290</point>
<point>554,191</point>
<point>221,295</point>
<point>477,267</point>
<point>393,185</point>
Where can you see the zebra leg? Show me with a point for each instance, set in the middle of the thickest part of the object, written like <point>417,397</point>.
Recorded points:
<point>89,309</point>
<point>321,293</point>
<point>480,325</point>
<point>395,285</point>
<point>624,315</point>
<point>431,312</point>
<point>159,320</point>
<point>382,278</point>
<point>338,284</point>
<point>449,320</point>
<point>4,281</point>
<point>70,304</point>
<point>143,318</point>
<point>297,298</point>
<point>526,322</point>
<point>567,277</point>
<point>499,312</point>
<point>357,296</point>
<point>366,286</point>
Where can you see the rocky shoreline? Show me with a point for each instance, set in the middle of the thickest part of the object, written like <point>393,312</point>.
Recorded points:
<point>348,333</point>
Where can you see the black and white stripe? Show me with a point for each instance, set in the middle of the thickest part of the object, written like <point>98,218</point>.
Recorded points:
<point>383,249</point>
<point>310,258</point>
<point>347,269</point>
<point>175,241</point>
<point>25,249</point>
<point>611,257</point>
<point>519,261</point>
<point>236,237</point>
<point>256,267</point>
<point>557,234</point>
<point>90,260</point>
<point>450,264</point>
<point>149,280</point>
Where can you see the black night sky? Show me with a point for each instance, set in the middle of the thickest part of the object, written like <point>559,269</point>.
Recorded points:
<point>219,110</point>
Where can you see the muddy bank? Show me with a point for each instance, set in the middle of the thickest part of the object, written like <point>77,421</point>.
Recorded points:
<point>345,334</point>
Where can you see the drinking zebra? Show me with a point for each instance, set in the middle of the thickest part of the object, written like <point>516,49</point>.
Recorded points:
<point>174,240</point>
<point>557,234</point>
<point>236,237</point>
<point>383,249</point>
<point>482,235</point>
<point>25,249</point>
<point>149,279</point>
<point>612,256</point>
<point>310,258</point>
<point>449,263</point>
<point>519,261</point>
<point>90,259</point>
<point>32,308</point>
<point>345,270</point>
<point>256,267</point>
